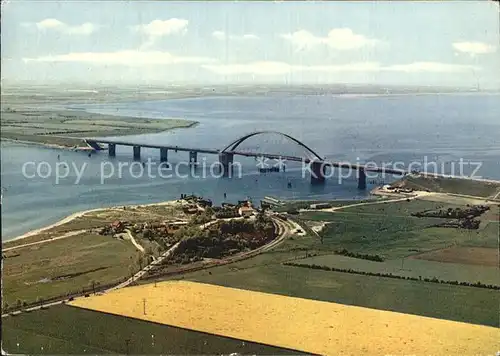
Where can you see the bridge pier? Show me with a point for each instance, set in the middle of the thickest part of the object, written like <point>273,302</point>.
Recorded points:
<point>362,179</point>
<point>317,173</point>
<point>137,153</point>
<point>111,149</point>
<point>163,154</point>
<point>226,161</point>
<point>193,157</point>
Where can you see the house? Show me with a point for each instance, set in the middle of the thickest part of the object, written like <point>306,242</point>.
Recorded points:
<point>246,211</point>
<point>320,206</point>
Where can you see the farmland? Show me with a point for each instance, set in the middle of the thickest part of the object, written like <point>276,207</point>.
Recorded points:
<point>303,324</point>
<point>66,265</point>
<point>410,268</point>
<point>408,246</point>
<point>262,273</point>
<point>57,331</point>
<point>464,255</point>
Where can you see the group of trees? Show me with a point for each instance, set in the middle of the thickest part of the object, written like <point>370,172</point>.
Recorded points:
<point>202,217</point>
<point>458,213</point>
<point>375,258</point>
<point>227,213</point>
<point>222,239</point>
<point>465,218</point>
<point>390,275</point>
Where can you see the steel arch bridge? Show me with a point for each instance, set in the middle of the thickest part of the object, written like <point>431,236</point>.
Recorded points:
<point>234,145</point>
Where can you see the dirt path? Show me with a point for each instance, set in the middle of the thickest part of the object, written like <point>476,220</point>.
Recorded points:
<point>68,234</point>
<point>136,244</point>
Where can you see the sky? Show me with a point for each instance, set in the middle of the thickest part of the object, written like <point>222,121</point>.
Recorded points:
<point>452,43</point>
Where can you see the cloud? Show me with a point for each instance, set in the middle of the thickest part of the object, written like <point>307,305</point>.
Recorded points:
<point>268,68</point>
<point>51,24</point>
<point>125,58</point>
<point>160,28</point>
<point>280,68</point>
<point>474,48</point>
<point>342,39</point>
<point>431,67</point>
<point>221,35</point>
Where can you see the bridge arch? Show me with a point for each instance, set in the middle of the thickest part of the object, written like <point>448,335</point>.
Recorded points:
<point>233,145</point>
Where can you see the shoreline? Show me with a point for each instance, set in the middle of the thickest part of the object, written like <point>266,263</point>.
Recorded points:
<point>86,148</point>
<point>46,145</point>
<point>79,214</point>
<point>66,112</point>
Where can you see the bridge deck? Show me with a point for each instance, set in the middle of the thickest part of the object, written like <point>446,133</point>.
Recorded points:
<point>148,145</point>
<point>343,165</point>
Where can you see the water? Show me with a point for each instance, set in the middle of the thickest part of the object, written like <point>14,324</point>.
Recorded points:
<point>441,128</point>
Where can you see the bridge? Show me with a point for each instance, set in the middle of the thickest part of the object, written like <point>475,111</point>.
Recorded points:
<point>317,165</point>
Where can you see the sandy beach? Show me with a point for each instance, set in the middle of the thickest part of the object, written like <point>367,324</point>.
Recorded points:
<point>79,214</point>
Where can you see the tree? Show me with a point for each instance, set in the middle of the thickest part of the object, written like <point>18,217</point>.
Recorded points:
<point>140,261</point>
<point>92,284</point>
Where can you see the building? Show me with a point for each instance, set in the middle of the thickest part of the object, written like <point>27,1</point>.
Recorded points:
<point>320,206</point>
<point>246,211</point>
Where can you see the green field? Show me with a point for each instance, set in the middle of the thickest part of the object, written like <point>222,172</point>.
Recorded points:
<point>70,330</point>
<point>66,265</point>
<point>410,268</point>
<point>390,231</point>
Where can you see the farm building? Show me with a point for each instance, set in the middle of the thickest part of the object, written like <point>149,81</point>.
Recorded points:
<point>320,206</point>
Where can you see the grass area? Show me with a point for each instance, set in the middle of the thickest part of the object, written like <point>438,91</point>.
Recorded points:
<point>400,208</point>
<point>389,230</point>
<point>50,127</point>
<point>450,185</point>
<point>70,330</point>
<point>66,265</point>
<point>410,268</point>
<point>467,304</point>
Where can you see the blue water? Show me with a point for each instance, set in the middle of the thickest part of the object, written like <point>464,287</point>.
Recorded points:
<point>436,128</point>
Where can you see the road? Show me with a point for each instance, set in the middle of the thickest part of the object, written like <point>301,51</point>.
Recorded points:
<point>146,269</point>
<point>336,208</point>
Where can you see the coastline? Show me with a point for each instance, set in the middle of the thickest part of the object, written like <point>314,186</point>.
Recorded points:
<point>79,214</point>
<point>45,145</point>
<point>66,127</point>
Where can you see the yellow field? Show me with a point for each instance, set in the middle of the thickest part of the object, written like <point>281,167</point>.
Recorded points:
<point>300,324</point>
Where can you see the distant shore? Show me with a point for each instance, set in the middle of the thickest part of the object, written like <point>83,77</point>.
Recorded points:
<point>66,129</point>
